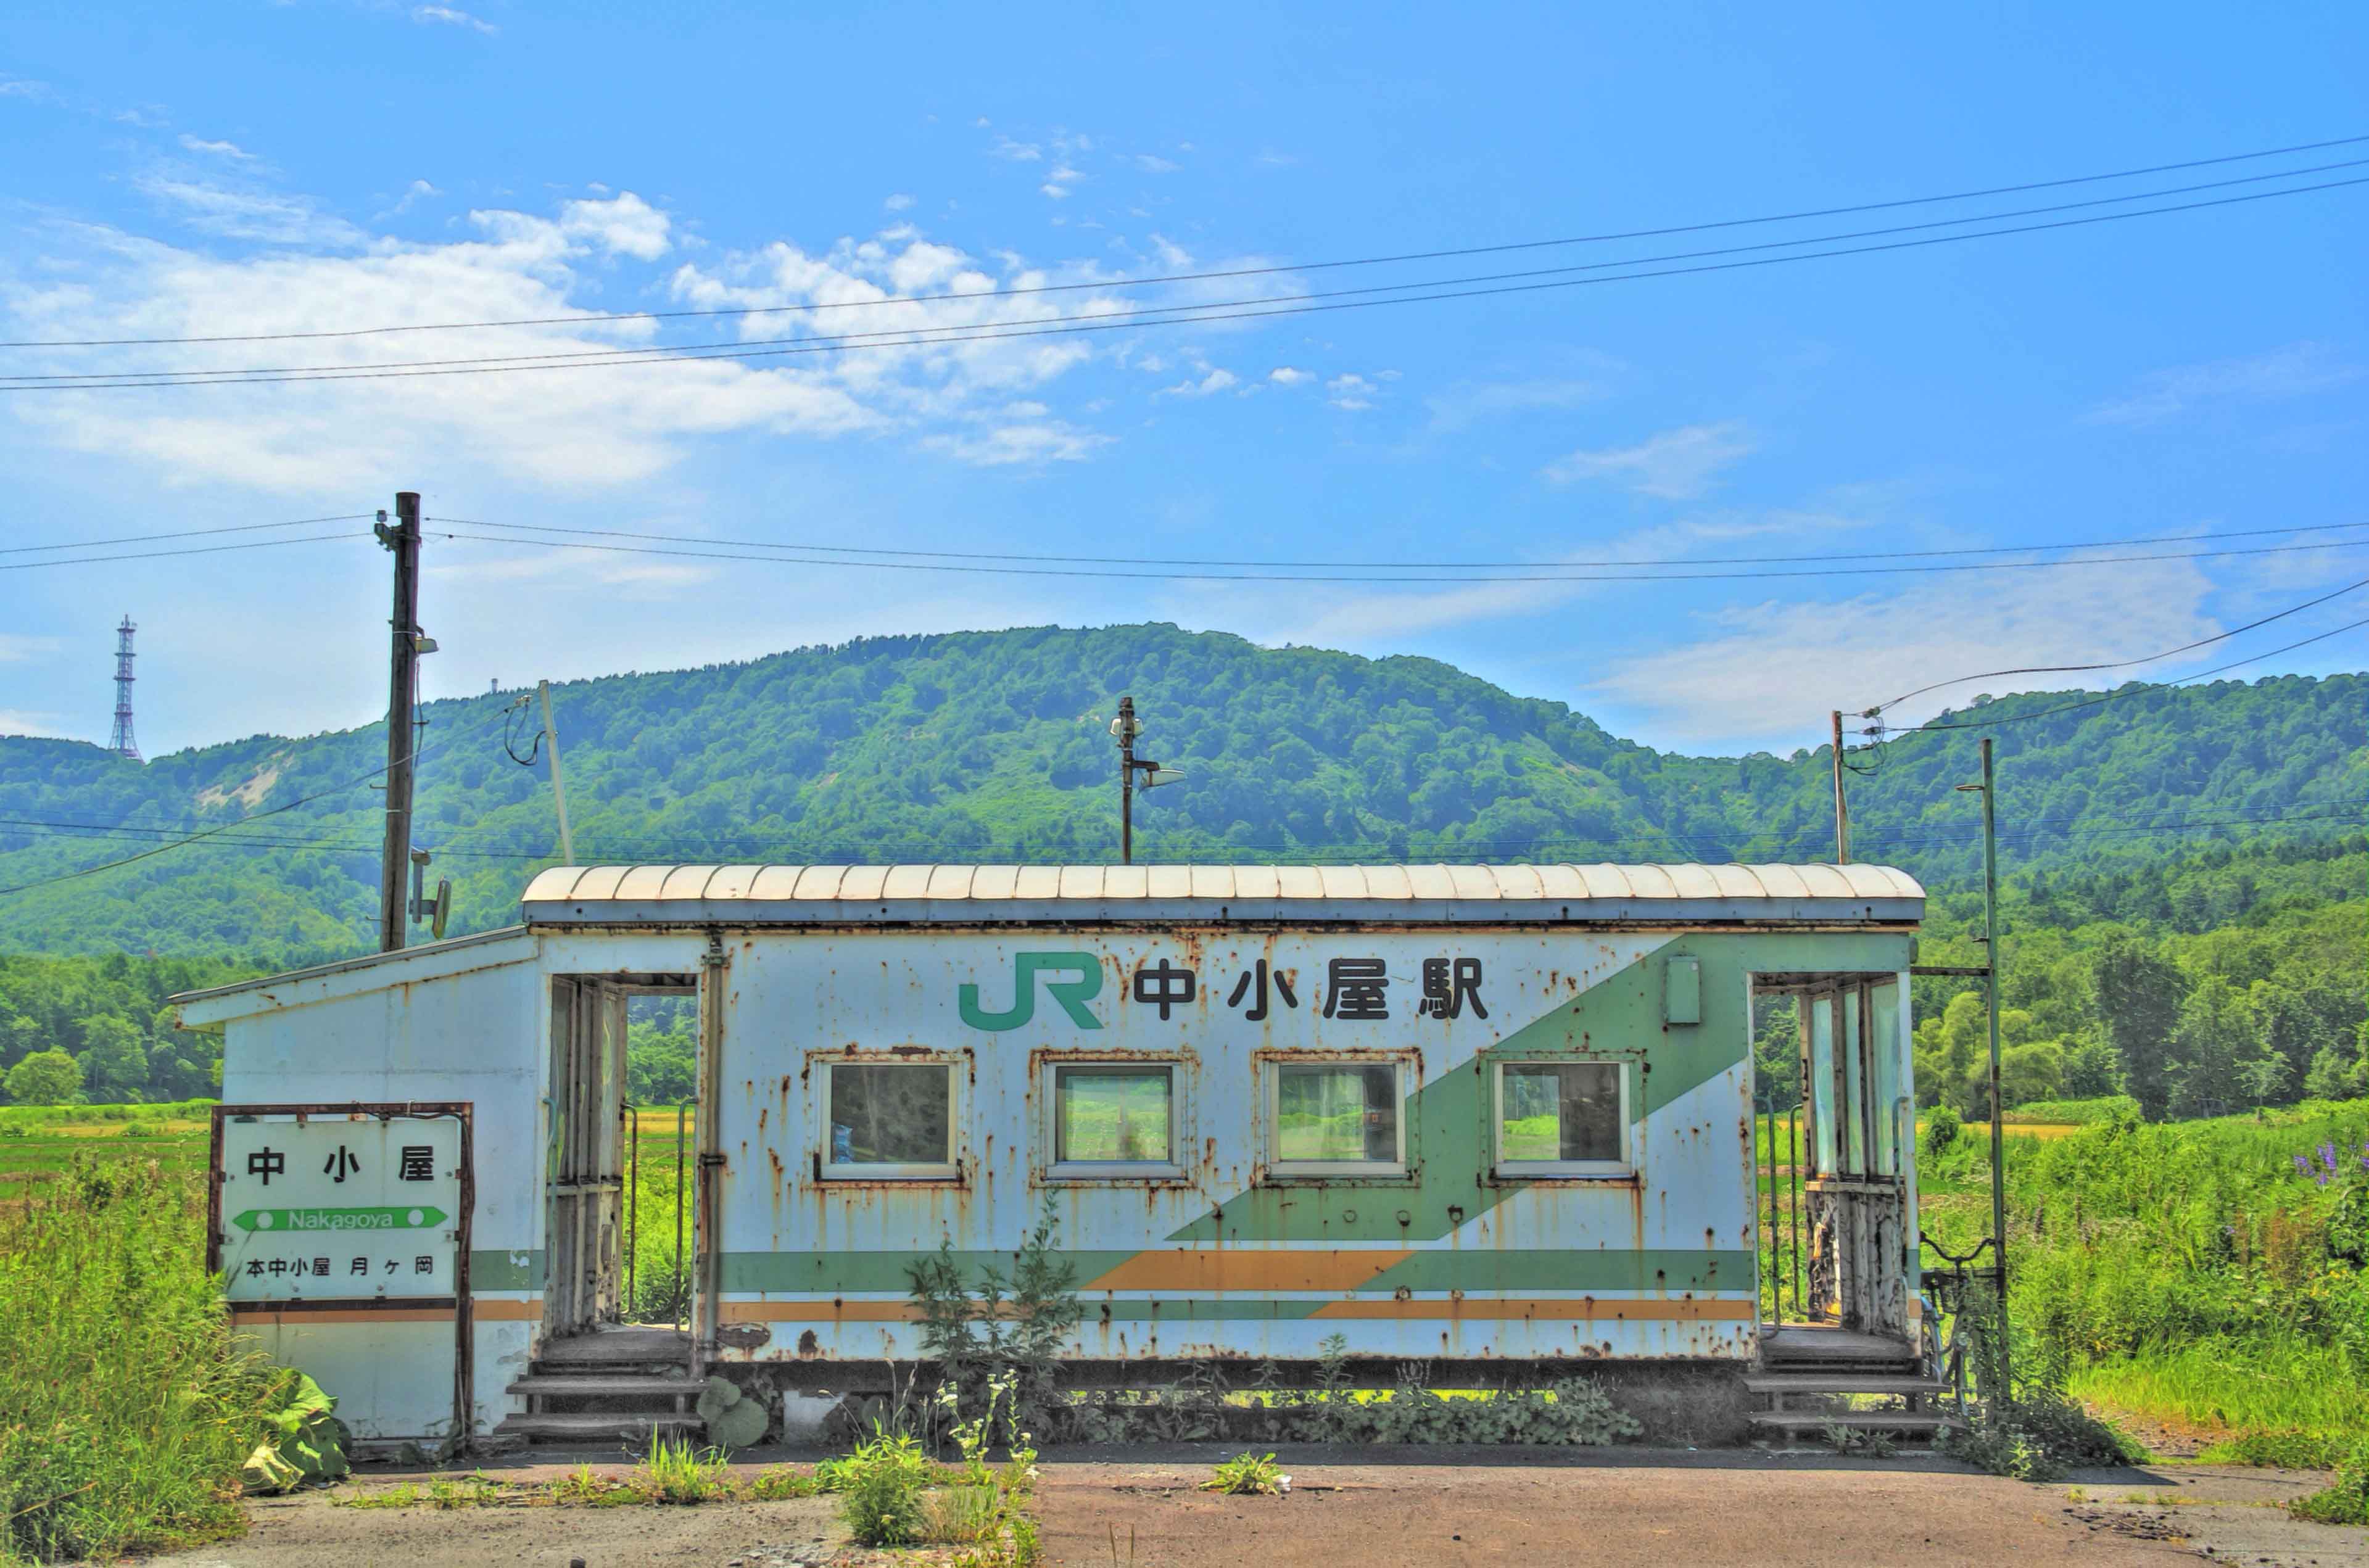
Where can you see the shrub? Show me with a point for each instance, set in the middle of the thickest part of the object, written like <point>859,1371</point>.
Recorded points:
<point>1941,1129</point>
<point>675,1471</point>
<point>2039,1435</point>
<point>2344,1503</point>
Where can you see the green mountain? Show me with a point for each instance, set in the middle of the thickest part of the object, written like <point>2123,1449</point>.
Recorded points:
<point>995,747</point>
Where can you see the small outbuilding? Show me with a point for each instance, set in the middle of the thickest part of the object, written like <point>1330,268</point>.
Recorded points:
<point>1475,1114</point>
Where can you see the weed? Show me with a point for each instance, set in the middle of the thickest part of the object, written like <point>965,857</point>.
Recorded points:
<point>779,1483</point>
<point>2077,1494</point>
<point>974,1331</point>
<point>584,1487</point>
<point>675,1471</point>
<point>2039,1435</point>
<point>1864,1441</point>
<point>403,1495</point>
<point>2346,1502</point>
<point>476,1490</point>
<point>959,1516</point>
<point>127,1407</point>
<point>2280,1450</point>
<point>1249,1475</point>
<point>879,1488</point>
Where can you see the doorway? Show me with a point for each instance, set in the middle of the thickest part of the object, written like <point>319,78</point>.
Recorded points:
<point>1834,1166</point>
<point>597,1205</point>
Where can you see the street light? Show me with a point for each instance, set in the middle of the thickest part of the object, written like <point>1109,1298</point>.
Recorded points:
<point>1124,729</point>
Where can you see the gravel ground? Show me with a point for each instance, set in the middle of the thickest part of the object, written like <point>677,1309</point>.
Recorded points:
<point>1142,1508</point>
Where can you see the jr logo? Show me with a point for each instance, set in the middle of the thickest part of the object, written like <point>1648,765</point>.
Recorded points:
<point>1072,994</point>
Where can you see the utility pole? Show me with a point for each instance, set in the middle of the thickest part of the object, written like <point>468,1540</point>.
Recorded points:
<point>558,790</point>
<point>1125,728</point>
<point>402,694</point>
<point>119,741</point>
<point>1991,987</point>
<point>1988,788</point>
<point>1842,811</point>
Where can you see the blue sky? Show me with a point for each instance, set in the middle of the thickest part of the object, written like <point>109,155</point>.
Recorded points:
<point>174,171</point>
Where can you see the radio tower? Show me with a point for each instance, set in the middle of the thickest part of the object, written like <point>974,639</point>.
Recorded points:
<point>120,742</point>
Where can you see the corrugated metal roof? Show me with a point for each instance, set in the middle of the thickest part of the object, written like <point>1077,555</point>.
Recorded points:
<point>753,894</point>
<point>1495,883</point>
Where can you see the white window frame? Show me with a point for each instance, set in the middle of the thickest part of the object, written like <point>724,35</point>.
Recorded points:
<point>1089,1171</point>
<point>948,1170</point>
<point>1285,1170</point>
<point>1560,1170</point>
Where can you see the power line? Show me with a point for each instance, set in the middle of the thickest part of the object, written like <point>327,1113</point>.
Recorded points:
<point>1440,254</point>
<point>158,555</point>
<point>1107,321</point>
<point>1393,565</point>
<point>2134,690</point>
<point>1138,316</point>
<point>182,533</point>
<point>1540,576</point>
<point>418,751</point>
<point>2122,663</point>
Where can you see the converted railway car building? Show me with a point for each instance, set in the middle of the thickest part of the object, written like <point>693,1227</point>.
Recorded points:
<point>1465,1114</point>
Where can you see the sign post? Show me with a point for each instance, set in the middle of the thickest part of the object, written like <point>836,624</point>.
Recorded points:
<point>320,1209</point>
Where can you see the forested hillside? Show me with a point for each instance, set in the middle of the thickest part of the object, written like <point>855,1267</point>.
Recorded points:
<point>994,746</point>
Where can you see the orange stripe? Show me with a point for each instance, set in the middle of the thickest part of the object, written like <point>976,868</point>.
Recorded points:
<point>1215,1271</point>
<point>494,1309</point>
<point>820,1312</point>
<point>279,1319</point>
<point>1583,1310</point>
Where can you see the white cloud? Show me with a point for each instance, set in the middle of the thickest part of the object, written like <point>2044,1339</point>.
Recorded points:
<point>1217,379</point>
<point>899,203</point>
<point>1461,407</point>
<point>1675,464</point>
<point>1768,673</point>
<point>26,87</point>
<point>230,150</point>
<point>33,721</point>
<point>1017,152</point>
<point>16,648</point>
<point>1350,391</point>
<point>419,190</point>
<point>1288,376</point>
<point>582,428</point>
<point>1151,165</point>
<point>1171,254</point>
<point>249,215</point>
<point>1057,184</point>
<point>1022,441</point>
<point>452,18</point>
<point>2295,371</point>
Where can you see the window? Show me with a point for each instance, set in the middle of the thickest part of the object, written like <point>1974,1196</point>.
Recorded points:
<point>1337,1119</point>
<point>1113,1119</point>
<point>890,1120</point>
<point>1562,1118</point>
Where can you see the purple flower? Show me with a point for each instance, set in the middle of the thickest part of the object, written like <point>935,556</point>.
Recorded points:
<point>2302,1163</point>
<point>2328,1157</point>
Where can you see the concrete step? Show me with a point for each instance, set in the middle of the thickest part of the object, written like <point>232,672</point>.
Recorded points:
<point>1840,1383</point>
<point>617,1345</point>
<point>630,1429</point>
<point>1794,1421</point>
<point>606,1384</point>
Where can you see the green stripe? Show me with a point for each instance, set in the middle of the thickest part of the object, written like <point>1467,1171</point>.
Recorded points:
<point>1511,1269</point>
<point>509,1269</point>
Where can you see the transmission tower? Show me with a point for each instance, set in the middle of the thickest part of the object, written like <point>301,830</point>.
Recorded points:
<point>120,742</point>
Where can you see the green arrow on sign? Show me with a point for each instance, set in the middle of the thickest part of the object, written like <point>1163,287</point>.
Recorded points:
<point>302,1220</point>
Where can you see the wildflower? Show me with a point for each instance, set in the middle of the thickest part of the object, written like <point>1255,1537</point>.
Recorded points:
<point>2328,1157</point>
<point>2302,1163</point>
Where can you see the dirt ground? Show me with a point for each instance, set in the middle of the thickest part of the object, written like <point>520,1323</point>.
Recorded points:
<point>1444,1506</point>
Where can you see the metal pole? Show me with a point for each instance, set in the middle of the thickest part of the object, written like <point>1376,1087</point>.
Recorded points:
<point>1776,1248</point>
<point>1793,1164</point>
<point>680,1294</point>
<point>1990,988</point>
<point>558,790</point>
<point>403,684</point>
<point>633,1193</point>
<point>1126,781</point>
<point>1842,811</point>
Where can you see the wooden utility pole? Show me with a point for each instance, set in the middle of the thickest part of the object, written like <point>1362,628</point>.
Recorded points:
<point>402,693</point>
<point>1125,727</point>
<point>1842,810</point>
<point>1991,989</point>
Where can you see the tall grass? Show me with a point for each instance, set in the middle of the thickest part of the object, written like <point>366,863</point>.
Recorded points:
<point>2264,1385</point>
<point>125,1408</point>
